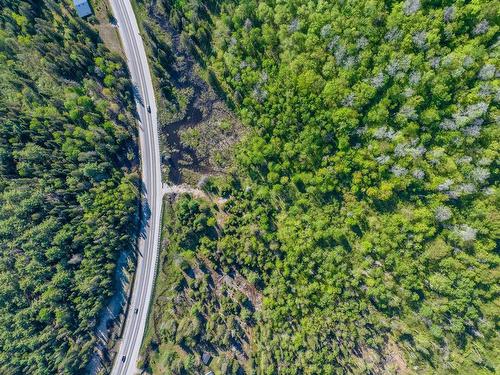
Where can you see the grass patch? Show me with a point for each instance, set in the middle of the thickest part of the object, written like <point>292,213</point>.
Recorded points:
<point>107,31</point>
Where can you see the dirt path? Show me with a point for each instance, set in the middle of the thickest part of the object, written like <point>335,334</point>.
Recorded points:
<point>184,189</point>
<point>110,316</point>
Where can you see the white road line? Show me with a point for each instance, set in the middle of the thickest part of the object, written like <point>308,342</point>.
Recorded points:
<point>151,176</point>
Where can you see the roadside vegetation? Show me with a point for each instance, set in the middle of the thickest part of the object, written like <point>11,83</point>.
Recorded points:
<point>364,207</point>
<point>68,189</point>
<point>196,127</point>
<point>198,307</point>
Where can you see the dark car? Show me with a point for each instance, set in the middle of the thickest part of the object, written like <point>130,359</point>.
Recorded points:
<point>149,109</point>
<point>136,311</point>
<point>123,358</point>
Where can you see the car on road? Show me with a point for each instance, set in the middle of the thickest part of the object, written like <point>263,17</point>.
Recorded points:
<point>123,358</point>
<point>149,109</point>
<point>136,311</point>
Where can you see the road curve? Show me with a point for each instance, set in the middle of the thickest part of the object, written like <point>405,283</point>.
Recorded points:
<point>142,289</point>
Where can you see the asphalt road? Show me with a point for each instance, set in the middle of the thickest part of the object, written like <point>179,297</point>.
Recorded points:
<point>135,323</point>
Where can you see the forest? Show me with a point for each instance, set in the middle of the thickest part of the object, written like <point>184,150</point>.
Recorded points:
<point>358,229</point>
<point>68,185</point>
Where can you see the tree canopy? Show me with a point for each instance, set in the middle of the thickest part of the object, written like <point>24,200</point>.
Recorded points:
<point>68,196</point>
<point>365,203</point>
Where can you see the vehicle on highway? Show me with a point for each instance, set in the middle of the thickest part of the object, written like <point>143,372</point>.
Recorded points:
<point>142,287</point>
